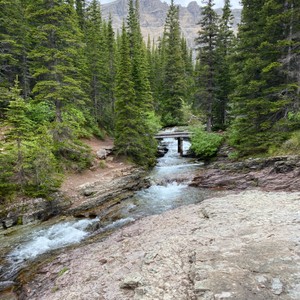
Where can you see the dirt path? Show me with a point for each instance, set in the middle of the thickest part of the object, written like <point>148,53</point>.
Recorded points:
<point>243,246</point>
<point>102,170</point>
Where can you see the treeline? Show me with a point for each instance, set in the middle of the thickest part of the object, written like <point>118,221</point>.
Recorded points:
<point>65,74</point>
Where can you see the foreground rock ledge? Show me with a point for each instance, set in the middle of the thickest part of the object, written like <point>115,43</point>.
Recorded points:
<point>241,246</point>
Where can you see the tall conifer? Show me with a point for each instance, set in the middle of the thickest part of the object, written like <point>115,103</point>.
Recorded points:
<point>206,43</point>
<point>134,136</point>
<point>225,41</point>
<point>56,58</point>
<point>265,97</point>
<point>174,74</point>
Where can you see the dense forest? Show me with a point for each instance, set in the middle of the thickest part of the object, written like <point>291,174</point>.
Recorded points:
<point>65,74</point>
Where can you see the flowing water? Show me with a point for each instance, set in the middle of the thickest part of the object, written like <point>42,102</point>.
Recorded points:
<point>169,189</point>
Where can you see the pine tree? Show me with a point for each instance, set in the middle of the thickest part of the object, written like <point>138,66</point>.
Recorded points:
<point>138,58</point>
<point>187,56</point>
<point>127,139</point>
<point>14,44</point>
<point>57,58</point>
<point>29,166</point>
<point>225,40</point>
<point>265,97</point>
<point>19,133</point>
<point>94,40</point>
<point>174,73</point>
<point>134,137</point>
<point>206,45</point>
<point>80,10</point>
<point>101,63</point>
<point>111,61</point>
<point>157,71</point>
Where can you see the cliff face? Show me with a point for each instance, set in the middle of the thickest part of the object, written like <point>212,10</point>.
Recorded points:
<point>153,14</point>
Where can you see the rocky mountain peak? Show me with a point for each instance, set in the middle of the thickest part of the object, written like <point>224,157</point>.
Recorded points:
<point>153,14</point>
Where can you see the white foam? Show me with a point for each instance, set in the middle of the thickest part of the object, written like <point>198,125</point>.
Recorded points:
<point>57,236</point>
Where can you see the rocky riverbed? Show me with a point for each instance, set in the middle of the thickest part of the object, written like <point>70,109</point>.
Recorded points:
<point>242,246</point>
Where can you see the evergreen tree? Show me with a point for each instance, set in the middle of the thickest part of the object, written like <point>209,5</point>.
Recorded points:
<point>138,58</point>
<point>57,59</point>
<point>174,74</point>
<point>134,137</point>
<point>129,126</point>
<point>157,70</point>
<point>101,63</point>
<point>29,165</point>
<point>206,45</point>
<point>187,56</point>
<point>111,74</point>
<point>94,40</point>
<point>125,100</point>
<point>225,40</point>
<point>20,131</point>
<point>80,10</point>
<point>14,44</point>
<point>265,97</point>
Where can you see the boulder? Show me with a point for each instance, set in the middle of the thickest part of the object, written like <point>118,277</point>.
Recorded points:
<point>101,154</point>
<point>132,281</point>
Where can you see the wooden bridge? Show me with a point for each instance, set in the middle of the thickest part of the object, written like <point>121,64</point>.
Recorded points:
<point>179,136</point>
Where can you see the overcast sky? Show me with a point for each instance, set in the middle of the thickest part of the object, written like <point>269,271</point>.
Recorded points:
<point>219,3</point>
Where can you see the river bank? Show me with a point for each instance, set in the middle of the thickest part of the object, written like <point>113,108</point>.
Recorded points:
<point>110,179</point>
<point>241,246</point>
<point>279,173</point>
<point>220,248</point>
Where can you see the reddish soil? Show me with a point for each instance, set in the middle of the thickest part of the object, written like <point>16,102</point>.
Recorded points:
<point>102,170</point>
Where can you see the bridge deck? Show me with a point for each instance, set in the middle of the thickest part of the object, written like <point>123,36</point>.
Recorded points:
<point>163,135</point>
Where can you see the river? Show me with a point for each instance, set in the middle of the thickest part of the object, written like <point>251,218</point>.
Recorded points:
<point>169,189</point>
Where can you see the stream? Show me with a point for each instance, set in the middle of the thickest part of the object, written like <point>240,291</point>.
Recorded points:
<point>169,189</point>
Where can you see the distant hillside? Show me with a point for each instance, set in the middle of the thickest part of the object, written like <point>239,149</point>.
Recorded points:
<point>153,14</point>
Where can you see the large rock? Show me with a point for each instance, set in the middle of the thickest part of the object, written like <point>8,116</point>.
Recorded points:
<point>31,210</point>
<point>97,194</point>
<point>276,173</point>
<point>247,248</point>
<point>103,153</point>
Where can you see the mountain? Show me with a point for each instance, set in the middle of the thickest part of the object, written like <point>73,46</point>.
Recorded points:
<point>153,14</point>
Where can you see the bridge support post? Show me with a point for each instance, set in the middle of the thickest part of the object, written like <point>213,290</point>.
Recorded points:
<point>180,145</point>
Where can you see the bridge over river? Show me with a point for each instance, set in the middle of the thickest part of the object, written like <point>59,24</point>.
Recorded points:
<point>179,136</point>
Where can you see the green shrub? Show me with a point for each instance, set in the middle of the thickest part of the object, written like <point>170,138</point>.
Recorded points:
<point>204,144</point>
<point>290,147</point>
<point>153,122</point>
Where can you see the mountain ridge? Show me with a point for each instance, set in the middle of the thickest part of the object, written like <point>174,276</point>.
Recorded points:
<point>153,14</point>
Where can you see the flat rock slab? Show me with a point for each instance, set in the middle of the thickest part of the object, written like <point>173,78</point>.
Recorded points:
<point>245,246</point>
